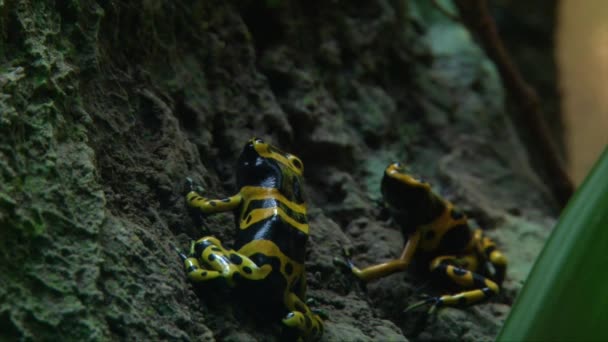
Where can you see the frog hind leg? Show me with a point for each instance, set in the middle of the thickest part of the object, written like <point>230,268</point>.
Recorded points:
<point>486,247</point>
<point>454,269</point>
<point>301,318</point>
<point>222,262</point>
<point>209,205</point>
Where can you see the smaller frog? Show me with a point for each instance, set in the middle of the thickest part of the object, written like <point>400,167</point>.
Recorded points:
<point>270,244</point>
<point>439,235</point>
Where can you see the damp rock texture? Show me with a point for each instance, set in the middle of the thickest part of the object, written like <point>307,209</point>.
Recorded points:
<point>107,106</point>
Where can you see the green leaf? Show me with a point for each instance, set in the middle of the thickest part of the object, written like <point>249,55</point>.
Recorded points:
<point>566,295</point>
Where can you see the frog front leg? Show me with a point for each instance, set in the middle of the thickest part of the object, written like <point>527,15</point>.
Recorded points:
<point>210,206</point>
<point>389,267</point>
<point>210,260</point>
<point>457,270</point>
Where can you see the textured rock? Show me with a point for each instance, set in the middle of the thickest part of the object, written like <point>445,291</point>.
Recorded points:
<point>106,108</point>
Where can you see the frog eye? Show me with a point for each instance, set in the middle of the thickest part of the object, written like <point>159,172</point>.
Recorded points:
<point>296,162</point>
<point>398,166</point>
<point>393,168</point>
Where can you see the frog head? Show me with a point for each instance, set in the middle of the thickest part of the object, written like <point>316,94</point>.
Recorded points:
<point>262,164</point>
<point>408,198</point>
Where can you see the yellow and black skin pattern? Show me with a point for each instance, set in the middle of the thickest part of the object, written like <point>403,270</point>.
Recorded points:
<point>438,234</point>
<point>270,244</point>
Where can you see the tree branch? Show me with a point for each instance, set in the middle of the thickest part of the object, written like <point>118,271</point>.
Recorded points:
<point>477,18</point>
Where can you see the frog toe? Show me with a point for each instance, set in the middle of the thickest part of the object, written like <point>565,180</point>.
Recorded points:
<point>342,263</point>
<point>180,253</point>
<point>321,313</point>
<point>190,185</point>
<point>294,319</point>
<point>434,302</point>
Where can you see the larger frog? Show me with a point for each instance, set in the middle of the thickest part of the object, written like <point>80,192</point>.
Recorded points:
<point>272,232</point>
<point>438,234</point>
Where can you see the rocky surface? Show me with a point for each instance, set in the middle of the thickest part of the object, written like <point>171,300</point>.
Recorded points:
<point>106,107</point>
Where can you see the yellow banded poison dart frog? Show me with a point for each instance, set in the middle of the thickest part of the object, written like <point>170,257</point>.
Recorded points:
<point>439,234</point>
<point>270,244</point>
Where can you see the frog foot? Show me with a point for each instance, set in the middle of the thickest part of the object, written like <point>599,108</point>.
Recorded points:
<point>180,253</point>
<point>344,261</point>
<point>193,268</point>
<point>320,313</point>
<point>190,185</point>
<point>434,302</point>
<point>310,328</point>
<point>342,264</point>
